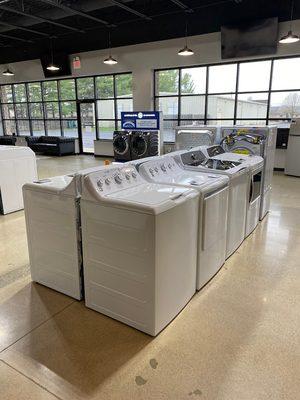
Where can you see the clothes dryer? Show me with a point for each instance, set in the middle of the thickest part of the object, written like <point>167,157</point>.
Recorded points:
<point>213,206</point>
<point>238,175</point>
<point>122,145</point>
<point>139,247</point>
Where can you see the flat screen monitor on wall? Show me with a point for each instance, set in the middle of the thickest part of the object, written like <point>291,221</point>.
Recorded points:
<point>253,38</point>
<point>61,60</point>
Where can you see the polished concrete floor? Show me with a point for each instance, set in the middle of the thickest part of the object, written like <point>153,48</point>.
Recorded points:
<point>238,339</point>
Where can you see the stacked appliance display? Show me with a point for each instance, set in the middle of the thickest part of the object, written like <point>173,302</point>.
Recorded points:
<point>256,140</point>
<point>139,247</point>
<point>213,206</point>
<point>238,175</point>
<point>17,167</point>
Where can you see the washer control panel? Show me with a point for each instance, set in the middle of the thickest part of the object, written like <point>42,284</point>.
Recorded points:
<point>160,170</point>
<point>112,179</point>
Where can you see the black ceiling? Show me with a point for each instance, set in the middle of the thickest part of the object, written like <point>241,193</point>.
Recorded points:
<point>26,26</point>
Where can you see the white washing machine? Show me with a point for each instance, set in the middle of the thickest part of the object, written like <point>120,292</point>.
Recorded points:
<point>255,164</point>
<point>238,175</point>
<point>256,140</point>
<point>17,167</point>
<point>213,206</point>
<point>139,247</point>
<point>53,230</point>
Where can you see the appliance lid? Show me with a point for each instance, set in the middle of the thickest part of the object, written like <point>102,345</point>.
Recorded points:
<point>60,185</point>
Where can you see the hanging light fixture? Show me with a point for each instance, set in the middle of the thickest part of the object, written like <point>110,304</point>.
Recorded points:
<point>8,72</point>
<point>290,37</point>
<point>186,51</point>
<point>110,60</point>
<point>52,67</point>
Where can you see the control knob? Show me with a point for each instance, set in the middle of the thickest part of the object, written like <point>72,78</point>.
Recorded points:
<point>118,179</point>
<point>133,175</point>
<point>163,168</point>
<point>107,181</point>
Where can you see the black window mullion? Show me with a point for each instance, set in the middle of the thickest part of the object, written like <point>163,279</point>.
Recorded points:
<point>179,96</point>
<point>206,95</point>
<point>115,102</point>
<point>59,109</point>
<point>14,107</point>
<point>44,109</point>
<point>270,92</point>
<point>96,109</point>
<point>236,92</point>
<point>28,111</point>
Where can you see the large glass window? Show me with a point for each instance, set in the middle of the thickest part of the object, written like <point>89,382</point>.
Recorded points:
<point>253,92</point>
<point>85,88</point>
<point>50,107</point>
<point>222,78</point>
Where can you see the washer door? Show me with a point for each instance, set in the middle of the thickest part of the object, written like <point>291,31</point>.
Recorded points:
<point>121,145</point>
<point>139,146</point>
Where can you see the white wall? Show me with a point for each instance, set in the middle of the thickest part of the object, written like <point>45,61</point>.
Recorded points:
<point>142,59</point>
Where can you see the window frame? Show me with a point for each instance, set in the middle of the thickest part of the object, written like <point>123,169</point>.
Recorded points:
<point>206,120</point>
<point>59,100</point>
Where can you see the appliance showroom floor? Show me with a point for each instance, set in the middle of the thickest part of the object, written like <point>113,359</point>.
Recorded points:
<point>237,339</point>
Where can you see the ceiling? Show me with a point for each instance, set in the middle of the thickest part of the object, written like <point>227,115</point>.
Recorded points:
<point>27,26</point>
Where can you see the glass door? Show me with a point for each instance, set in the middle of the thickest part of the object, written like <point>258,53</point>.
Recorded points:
<point>87,126</point>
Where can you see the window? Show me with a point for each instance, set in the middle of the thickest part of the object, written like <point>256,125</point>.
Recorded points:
<point>67,89</point>
<point>254,76</point>
<point>34,91</point>
<point>255,92</point>
<point>50,92</point>
<point>85,88</point>
<point>105,87</point>
<point>20,93</point>
<point>222,78</point>
<point>286,74</point>
<point>50,107</point>
<point>193,80</point>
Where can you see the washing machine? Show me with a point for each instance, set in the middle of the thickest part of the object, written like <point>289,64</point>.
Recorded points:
<point>17,167</point>
<point>53,227</point>
<point>213,206</point>
<point>255,164</point>
<point>238,175</point>
<point>260,141</point>
<point>122,145</point>
<point>144,144</point>
<point>139,247</point>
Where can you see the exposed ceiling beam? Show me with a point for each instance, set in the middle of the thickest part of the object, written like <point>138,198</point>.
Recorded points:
<point>23,28</point>
<point>76,12</point>
<point>130,10</point>
<point>41,19</point>
<point>182,5</point>
<point>15,38</point>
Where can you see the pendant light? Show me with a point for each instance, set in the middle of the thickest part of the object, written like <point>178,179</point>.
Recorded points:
<point>52,67</point>
<point>8,72</point>
<point>290,37</point>
<point>186,51</point>
<point>110,60</point>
